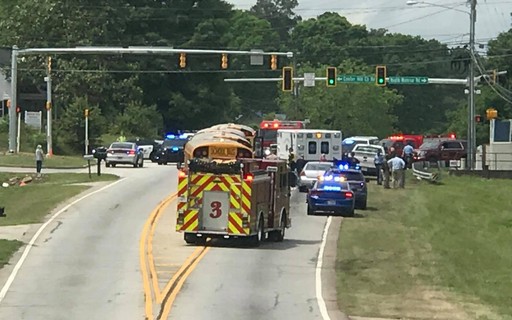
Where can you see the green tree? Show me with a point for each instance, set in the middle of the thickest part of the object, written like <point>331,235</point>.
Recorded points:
<point>279,13</point>
<point>139,120</point>
<point>70,128</point>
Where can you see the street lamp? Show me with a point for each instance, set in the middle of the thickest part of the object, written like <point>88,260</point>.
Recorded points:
<point>471,79</point>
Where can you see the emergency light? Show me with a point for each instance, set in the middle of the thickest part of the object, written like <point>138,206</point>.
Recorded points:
<point>171,136</point>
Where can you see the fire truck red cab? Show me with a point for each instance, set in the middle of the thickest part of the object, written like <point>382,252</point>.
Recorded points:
<point>268,130</point>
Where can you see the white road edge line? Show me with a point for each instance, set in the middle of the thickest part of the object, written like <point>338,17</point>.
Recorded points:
<point>29,246</point>
<point>318,276</point>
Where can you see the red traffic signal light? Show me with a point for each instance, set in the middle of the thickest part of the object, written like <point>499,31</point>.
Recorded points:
<point>18,109</point>
<point>478,118</point>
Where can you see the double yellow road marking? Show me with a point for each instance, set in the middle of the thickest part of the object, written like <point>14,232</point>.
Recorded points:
<point>152,293</point>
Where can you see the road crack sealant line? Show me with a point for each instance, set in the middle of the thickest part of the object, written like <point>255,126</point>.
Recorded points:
<point>145,234</point>
<point>29,246</point>
<point>318,272</point>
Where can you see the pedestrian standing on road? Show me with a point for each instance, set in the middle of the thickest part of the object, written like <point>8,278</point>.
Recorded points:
<point>39,159</point>
<point>397,165</point>
<point>379,161</point>
<point>301,163</point>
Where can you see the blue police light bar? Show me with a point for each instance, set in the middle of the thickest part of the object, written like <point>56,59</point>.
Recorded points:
<point>175,148</point>
<point>346,166</point>
<point>171,136</point>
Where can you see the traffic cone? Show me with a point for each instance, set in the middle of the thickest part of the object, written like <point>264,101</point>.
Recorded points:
<point>22,183</point>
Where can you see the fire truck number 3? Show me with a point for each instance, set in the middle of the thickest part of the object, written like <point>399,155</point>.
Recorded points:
<point>216,210</point>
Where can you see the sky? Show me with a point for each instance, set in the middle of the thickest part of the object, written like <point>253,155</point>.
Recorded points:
<point>426,20</point>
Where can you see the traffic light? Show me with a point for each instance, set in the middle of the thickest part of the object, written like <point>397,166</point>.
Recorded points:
<point>494,76</point>
<point>380,76</point>
<point>183,60</point>
<point>48,105</point>
<point>224,61</point>
<point>273,62</point>
<point>478,118</point>
<point>49,64</point>
<point>86,113</point>
<point>491,113</point>
<point>18,109</point>
<point>331,76</point>
<point>287,79</point>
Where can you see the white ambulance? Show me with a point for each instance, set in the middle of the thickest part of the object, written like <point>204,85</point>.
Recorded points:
<point>310,143</point>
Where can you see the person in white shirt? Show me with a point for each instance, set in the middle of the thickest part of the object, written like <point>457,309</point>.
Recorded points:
<point>397,165</point>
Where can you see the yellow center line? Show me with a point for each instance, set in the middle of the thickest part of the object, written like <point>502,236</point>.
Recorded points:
<point>148,300</point>
<point>151,260</point>
<point>176,289</point>
<point>183,267</point>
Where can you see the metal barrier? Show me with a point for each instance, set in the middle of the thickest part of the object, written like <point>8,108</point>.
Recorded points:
<point>420,171</point>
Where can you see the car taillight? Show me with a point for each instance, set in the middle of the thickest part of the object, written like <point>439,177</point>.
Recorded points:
<point>132,152</point>
<point>349,195</point>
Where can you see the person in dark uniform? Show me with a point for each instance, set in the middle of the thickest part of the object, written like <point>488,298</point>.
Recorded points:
<point>300,164</point>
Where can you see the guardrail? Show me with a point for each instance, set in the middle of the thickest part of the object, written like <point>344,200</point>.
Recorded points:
<point>420,171</point>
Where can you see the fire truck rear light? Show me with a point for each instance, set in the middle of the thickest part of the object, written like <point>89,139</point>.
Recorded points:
<point>182,174</point>
<point>249,177</point>
<point>276,125</point>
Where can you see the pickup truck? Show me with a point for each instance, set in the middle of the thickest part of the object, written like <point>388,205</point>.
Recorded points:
<point>365,153</point>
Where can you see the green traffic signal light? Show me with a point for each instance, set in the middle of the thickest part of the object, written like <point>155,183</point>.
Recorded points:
<point>331,76</point>
<point>380,75</point>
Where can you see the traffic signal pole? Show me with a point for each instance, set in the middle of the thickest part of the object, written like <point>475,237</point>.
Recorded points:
<point>16,52</point>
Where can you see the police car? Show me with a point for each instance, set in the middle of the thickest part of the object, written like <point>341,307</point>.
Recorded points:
<point>331,194</point>
<point>172,149</point>
<point>351,174</point>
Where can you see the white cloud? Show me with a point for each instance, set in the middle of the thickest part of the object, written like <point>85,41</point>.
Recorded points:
<point>493,16</point>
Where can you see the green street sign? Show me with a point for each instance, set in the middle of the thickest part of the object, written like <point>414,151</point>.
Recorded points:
<point>408,80</point>
<point>354,78</point>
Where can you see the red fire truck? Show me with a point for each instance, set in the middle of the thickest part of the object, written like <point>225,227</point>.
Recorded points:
<point>243,198</point>
<point>268,130</point>
<point>399,141</point>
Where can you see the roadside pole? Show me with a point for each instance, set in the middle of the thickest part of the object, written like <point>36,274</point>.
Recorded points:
<point>18,134</point>
<point>86,114</point>
<point>48,79</point>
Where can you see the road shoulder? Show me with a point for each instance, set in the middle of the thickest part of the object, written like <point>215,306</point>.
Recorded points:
<point>329,271</point>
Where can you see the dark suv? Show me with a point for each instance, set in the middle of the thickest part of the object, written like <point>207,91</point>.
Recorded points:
<point>170,151</point>
<point>441,150</point>
<point>355,179</point>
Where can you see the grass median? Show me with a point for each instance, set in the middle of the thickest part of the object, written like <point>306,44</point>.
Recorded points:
<point>28,160</point>
<point>429,252</point>
<point>32,202</point>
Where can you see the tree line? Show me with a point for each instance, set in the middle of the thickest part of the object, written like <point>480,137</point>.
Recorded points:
<point>143,95</point>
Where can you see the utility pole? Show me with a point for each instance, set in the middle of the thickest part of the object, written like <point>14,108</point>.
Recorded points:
<point>86,114</point>
<point>14,101</point>
<point>471,107</point>
<point>48,79</point>
<point>17,112</point>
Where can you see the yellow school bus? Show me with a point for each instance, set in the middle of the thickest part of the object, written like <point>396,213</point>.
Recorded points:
<point>216,148</point>
<point>249,133</point>
<point>224,134</point>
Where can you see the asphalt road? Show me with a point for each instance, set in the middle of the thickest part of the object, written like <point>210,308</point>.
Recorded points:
<point>85,265</point>
<point>274,281</point>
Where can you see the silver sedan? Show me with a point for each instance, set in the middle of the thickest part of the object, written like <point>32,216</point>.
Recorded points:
<point>125,153</point>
